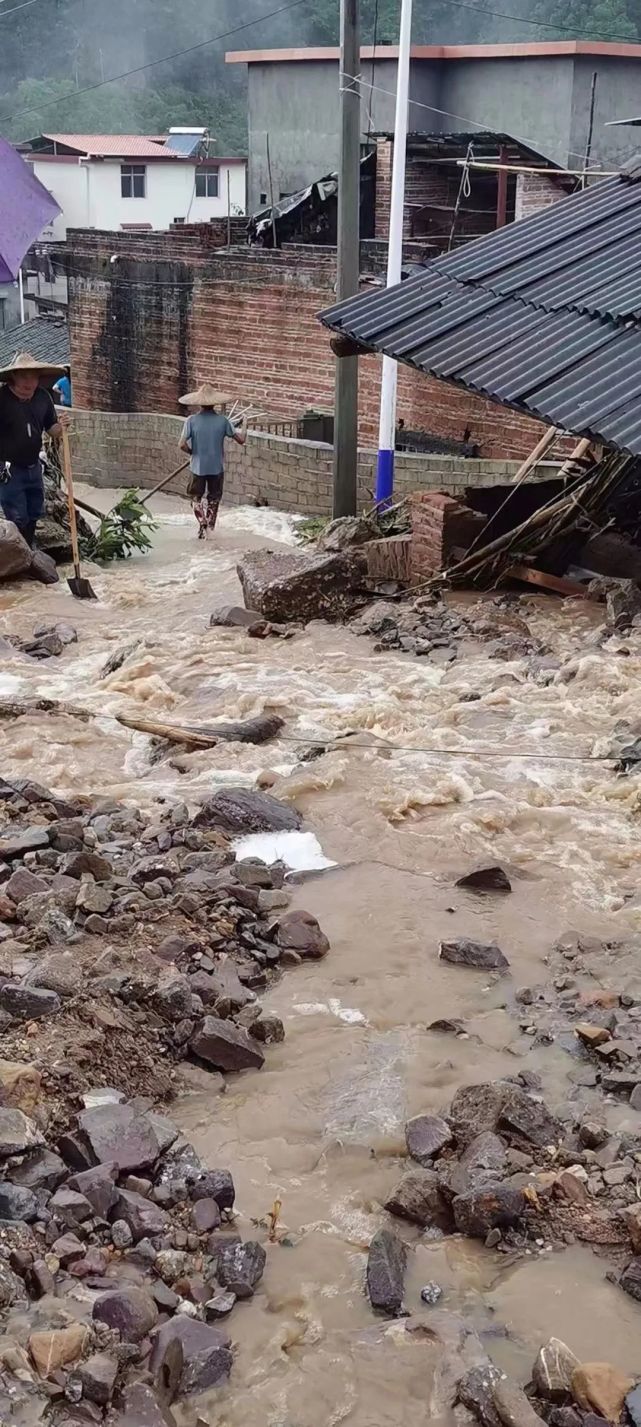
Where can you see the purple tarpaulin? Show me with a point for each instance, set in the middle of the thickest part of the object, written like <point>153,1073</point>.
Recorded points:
<point>25,207</point>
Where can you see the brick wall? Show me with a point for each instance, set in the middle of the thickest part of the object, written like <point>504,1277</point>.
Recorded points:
<point>138,449</point>
<point>533,192</point>
<point>441,527</point>
<point>174,309</point>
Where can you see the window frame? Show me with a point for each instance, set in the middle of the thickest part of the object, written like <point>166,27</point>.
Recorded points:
<point>206,175</point>
<point>132,176</point>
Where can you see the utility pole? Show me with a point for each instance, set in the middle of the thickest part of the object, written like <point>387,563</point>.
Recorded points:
<point>347,258</point>
<point>387,426</point>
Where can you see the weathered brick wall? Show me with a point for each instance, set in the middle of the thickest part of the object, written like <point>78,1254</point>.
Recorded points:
<point>145,329</point>
<point>441,527</point>
<point>533,192</point>
<point>138,449</point>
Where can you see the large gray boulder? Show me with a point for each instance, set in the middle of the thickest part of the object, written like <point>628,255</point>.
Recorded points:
<point>298,585</point>
<point>15,555</point>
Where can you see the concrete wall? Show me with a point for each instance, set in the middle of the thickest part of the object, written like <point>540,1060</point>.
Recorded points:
<point>90,194</point>
<point>543,100</point>
<point>137,449</point>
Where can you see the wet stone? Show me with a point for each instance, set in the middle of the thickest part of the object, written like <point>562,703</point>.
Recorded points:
<point>299,931</point>
<point>426,1136</point>
<point>486,879</point>
<point>240,1268</point>
<point>216,1184</point>
<point>386,1264</point>
<point>512,1405</point>
<point>238,810</point>
<point>474,1109</point>
<point>189,1357</point>
<point>220,1306</point>
<point>601,1386</point>
<point>475,1390</point>
<point>225,1046</point>
<point>98,1376</point>
<point>205,1216</point>
<point>527,1119</point>
<point>494,1206</point>
<point>633,1405</point>
<point>552,1371</point>
<point>143,1217</point>
<point>483,956</point>
<point>630,1280</point>
<point>17,1203</point>
<point>17,1133</point>
<point>98,1187</point>
<point>419,1199</point>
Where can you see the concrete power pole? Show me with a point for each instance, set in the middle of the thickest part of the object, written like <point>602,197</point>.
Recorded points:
<point>347,263</point>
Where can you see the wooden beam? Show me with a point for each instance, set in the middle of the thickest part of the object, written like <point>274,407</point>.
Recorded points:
<point>559,586</point>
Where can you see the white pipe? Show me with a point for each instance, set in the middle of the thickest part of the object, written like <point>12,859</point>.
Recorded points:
<point>21,293</point>
<point>387,424</point>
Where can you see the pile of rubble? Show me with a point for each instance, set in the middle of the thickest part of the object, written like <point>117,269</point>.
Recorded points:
<point>127,943</point>
<point>113,921</point>
<point>118,1256</point>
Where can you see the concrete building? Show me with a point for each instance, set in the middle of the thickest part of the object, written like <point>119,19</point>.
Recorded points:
<point>128,181</point>
<point>539,93</point>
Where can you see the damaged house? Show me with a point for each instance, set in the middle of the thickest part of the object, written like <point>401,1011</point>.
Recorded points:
<point>543,317</point>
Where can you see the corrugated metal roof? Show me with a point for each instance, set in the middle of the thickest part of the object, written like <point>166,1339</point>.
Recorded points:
<point>130,146</point>
<point>544,315</point>
<point>46,338</point>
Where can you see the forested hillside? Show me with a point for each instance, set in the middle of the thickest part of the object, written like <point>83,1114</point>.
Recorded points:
<point>55,55</point>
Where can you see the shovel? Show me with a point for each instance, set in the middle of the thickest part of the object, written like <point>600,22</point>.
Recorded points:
<point>79,587</point>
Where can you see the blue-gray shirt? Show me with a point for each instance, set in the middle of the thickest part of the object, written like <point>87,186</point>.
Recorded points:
<point>206,434</point>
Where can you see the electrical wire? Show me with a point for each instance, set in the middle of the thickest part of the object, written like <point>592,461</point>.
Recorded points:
<point>151,64</point>
<point>12,11</point>
<point>462,118</point>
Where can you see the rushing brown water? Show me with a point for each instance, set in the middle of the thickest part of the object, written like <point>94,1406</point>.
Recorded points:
<point>321,1127</point>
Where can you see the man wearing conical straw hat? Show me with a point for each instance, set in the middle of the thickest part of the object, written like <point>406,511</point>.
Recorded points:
<point>203,438</point>
<point>26,412</point>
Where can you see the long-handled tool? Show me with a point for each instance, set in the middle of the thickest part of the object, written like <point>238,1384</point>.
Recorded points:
<point>79,586</point>
<point>164,482</point>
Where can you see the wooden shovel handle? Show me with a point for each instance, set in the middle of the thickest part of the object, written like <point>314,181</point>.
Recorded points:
<point>66,465</point>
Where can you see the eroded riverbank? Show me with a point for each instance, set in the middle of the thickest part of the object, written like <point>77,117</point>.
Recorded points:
<point>321,1126</point>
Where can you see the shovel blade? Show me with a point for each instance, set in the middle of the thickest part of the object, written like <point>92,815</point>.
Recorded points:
<point>81,588</point>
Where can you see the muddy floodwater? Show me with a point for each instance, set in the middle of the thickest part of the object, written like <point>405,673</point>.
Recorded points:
<point>438,782</point>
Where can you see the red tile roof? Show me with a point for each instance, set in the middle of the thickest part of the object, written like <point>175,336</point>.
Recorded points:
<point>130,146</point>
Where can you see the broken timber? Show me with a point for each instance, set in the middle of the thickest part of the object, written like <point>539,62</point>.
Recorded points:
<point>21,708</point>
<point>251,730</point>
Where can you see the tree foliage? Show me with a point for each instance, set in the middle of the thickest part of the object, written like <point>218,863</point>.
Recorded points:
<point>54,51</point>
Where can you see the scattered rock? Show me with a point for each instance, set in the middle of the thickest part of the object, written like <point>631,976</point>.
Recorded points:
<point>189,1357</point>
<point>475,1109</point>
<point>118,1134</point>
<point>140,1407</point>
<point>17,1202</point>
<point>476,1391</point>
<point>528,1120</point>
<point>299,931</point>
<point>480,955</point>
<point>98,1187</point>
<point>98,1376</point>
<point>130,1311</point>
<point>425,1137</point>
<point>602,1387</point>
<point>419,1199</point>
<point>231,616</point>
<point>386,1264</point>
<point>592,1035</point>
<point>54,1349</point>
<point>630,1280</point>
<point>239,810</point>
<point>552,1372</point>
<point>513,1407</point>
<point>633,1405</point>
<point>220,1306</point>
<point>17,1133</point>
<point>431,1293</point>
<point>486,879</point>
<point>240,1267</point>
<point>226,1046</point>
<point>28,1003</point>
<point>300,585</point>
<point>493,1206</point>
<point>144,1218</point>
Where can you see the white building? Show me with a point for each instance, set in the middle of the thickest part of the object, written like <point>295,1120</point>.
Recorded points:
<point>127,181</point>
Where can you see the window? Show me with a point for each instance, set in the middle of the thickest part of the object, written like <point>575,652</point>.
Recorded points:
<point>207,183</point>
<point>263,200</point>
<point>133,181</point>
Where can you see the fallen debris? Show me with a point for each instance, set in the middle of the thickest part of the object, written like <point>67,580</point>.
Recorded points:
<point>482,956</point>
<point>300,586</point>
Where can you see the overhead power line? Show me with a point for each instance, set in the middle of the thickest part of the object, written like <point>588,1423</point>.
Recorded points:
<point>282,9</point>
<point>152,63</point>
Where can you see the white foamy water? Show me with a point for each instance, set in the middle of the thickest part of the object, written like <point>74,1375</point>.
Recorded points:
<point>300,851</point>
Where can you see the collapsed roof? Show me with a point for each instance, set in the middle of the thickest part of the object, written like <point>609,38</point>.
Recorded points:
<point>543,316</point>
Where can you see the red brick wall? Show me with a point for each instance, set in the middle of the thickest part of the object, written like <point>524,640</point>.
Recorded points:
<point>533,192</point>
<point>441,527</point>
<point>171,311</point>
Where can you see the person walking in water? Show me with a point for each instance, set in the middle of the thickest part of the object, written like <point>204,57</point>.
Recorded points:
<point>26,413</point>
<point>203,439</point>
